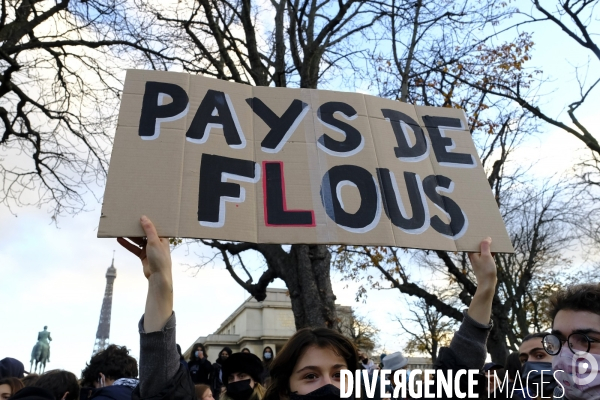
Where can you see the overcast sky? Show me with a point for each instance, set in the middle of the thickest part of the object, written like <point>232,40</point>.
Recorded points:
<point>55,275</point>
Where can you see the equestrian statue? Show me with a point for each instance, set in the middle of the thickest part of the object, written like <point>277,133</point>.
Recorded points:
<point>41,351</point>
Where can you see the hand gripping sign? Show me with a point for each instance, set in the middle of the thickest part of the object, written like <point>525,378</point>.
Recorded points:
<point>205,158</point>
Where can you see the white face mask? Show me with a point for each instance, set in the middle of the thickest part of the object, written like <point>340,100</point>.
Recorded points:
<point>578,374</point>
<point>268,356</point>
<point>199,353</point>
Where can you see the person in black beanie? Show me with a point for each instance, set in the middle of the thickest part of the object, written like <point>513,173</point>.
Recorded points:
<point>11,368</point>
<point>242,377</point>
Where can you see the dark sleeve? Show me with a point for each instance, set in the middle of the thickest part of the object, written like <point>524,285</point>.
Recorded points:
<point>469,343</point>
<point>159,359</point>
<point>179,387</point>
<point>467,351</point>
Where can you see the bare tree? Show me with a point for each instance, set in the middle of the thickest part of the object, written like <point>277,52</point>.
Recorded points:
<point>59,88</point>
<point>526,86</point>
<point>421,37</point>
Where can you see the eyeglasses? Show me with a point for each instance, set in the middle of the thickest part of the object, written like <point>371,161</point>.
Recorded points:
<point>578,342</point>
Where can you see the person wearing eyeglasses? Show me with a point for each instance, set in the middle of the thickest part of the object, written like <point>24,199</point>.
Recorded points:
<point>575,342</point>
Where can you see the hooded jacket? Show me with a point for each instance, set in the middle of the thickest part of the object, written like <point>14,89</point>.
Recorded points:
<point>216,376</point>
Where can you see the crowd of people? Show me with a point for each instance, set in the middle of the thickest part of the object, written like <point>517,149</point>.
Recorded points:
<point>308,367</point>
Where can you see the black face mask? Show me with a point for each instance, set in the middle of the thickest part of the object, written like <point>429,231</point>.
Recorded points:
<point>239,390</point>
<point>534,369</point>
<point>327,392</point>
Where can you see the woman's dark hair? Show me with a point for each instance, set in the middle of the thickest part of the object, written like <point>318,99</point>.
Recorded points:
<point>513,365</point>
<point>195,347</point>
<point>14,383</point>
<point>269,361</point>
<point>59,382</point>
<point>245,350</point>
<point>283,365</point>
<point>584,297</point>
<point>114,362</point>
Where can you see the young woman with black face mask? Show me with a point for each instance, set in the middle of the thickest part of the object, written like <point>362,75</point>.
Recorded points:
<point>242,377</point>
<point>308,367</point>
<point>314,358</point>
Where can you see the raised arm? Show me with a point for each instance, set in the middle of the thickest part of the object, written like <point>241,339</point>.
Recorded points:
<point>484,268</point>
<point>469,342</point>
<point>159,360</point>
<point>155,255</point>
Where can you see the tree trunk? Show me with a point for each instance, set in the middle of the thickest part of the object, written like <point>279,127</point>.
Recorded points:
<point>306,273</point>
<point>307,277</point>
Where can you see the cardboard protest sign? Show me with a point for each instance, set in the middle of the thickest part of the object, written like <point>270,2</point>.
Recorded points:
<point>205,158</point>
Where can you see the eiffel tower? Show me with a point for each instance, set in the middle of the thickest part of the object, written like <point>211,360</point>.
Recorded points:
<point>104,325</point>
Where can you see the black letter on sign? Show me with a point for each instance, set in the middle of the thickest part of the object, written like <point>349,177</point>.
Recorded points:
<point>458,220</point>
<point>281,128</point>
<point>215,190</point>
<point>154,111</point>
<point>406,151</point>
<point>354,140</point>
<point>216,111</point>
<point>394,207</point>
<point>276,212</point>
<point>442,144</point>
<point>367,216</point>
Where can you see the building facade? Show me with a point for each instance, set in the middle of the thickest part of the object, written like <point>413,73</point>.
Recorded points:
<point>255,325</point>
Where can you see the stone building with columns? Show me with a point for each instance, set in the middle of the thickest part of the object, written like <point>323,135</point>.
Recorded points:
<point>256,325</point>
